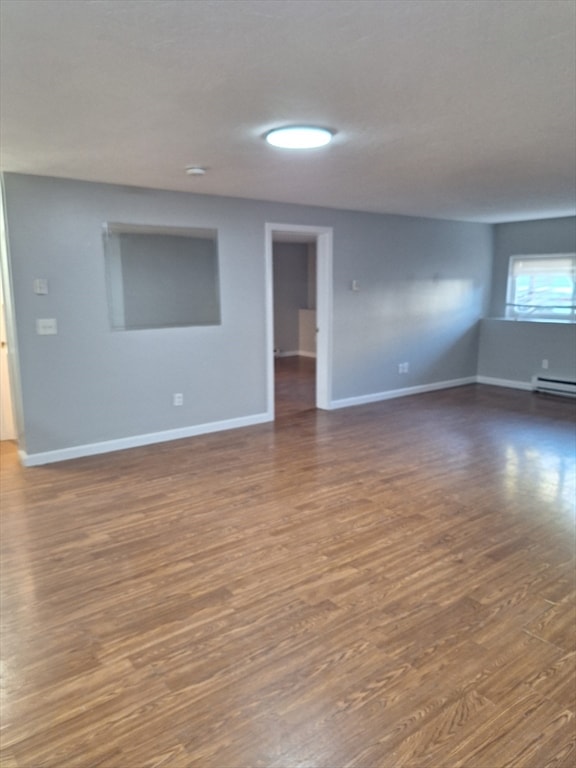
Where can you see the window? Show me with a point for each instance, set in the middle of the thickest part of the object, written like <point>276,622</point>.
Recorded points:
<point>542,287</point>
<point>161,277</point>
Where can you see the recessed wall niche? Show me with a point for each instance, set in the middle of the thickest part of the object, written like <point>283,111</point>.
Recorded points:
<point>161,277</point>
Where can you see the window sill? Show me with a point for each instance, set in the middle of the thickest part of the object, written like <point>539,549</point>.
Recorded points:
<point>546,320</point>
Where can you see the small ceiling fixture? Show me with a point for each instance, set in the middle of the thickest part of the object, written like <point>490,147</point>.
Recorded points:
<point>195,170</point>
<point>299,137</point>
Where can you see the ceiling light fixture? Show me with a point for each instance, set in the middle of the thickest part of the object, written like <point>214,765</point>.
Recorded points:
<point>195,170</point>
<point>299,137</point>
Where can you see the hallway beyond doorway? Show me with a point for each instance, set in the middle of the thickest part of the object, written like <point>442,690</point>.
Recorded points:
<point>295,379</point>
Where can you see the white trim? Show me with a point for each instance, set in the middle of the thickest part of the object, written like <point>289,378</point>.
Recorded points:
<point>269,320</point>
<point>13,357</point>
<point>393,393</point>
<point>324,289</point>
<point>107,446</point>
<point>324,318</point>
<point>512,384</point>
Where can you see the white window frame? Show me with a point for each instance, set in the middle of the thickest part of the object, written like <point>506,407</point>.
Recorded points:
<point>531,312</point>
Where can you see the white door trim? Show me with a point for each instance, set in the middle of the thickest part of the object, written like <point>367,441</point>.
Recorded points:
<point>10,405</point>
<point>324,260</point>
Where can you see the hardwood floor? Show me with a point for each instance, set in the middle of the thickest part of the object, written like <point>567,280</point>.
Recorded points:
<point>295,383</point>
<point>382,586</point>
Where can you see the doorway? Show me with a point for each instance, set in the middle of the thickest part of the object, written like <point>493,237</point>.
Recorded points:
<point>7,421</point>
<point>7,426</point>
<point>320,240</point>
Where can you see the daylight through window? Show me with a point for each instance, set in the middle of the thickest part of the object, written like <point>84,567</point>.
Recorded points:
<point>542,287</point>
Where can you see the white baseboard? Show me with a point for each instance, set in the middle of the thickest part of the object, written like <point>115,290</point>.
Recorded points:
<point>512,384</point>
<point>107,446</point>
<point>393,393</point>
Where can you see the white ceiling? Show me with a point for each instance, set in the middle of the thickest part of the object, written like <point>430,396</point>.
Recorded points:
<point>462,109</point>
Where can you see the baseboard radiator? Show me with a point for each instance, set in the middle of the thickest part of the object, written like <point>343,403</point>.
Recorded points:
<point>553,386</point>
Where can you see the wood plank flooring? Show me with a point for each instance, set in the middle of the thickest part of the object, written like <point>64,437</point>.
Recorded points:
<point>386,586</point>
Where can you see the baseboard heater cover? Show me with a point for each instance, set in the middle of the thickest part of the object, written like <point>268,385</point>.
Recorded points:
<point>550,386</point>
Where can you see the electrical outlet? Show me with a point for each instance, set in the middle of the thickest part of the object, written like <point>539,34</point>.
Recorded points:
<point>178,398</point>
<point>545,364</point>
<point>403,367</point>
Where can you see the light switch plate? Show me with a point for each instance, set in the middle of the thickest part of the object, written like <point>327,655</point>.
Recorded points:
<point>40,286</point>
<point>46,326</point>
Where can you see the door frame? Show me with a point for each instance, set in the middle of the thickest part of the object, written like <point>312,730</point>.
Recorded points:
<point>7,423</point>
<point>324,312</point>
<point>13,398</point>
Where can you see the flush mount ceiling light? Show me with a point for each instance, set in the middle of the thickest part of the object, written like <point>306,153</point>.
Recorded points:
<point>195,170</point>
<point>299,137</point>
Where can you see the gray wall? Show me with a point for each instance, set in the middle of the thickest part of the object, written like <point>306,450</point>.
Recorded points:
<point>290,262</point>
<point>312,266</point>
<point>423,289</point>
<point>169,281</point>
<point>513,350</point>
